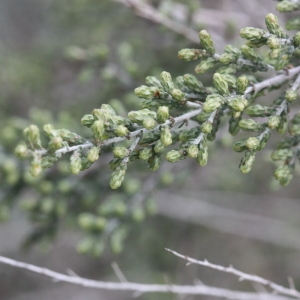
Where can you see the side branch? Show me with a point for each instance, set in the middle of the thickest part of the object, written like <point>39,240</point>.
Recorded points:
<point>241,275</point>
<point>143,288</point>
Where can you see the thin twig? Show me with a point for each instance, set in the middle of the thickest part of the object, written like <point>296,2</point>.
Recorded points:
<point>143,288</point>
<point>149,12</point>
<point>241,275</point>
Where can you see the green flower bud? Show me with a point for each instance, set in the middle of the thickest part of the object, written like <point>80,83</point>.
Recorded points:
<point>282,127</point>
<point>32,136</point>
<point>252,143</point>
<point>177,94</point>
<point>98,130</point>
<point>230,79</point>
<point>273,42</point>
<point>166,136</point>
<point>173,156</point>
<point>205,65</point>
<point>75,162</point>
<point>220,83</point>
<point>296,39</point>
<point>159,147</point>
<point>240,146</point>
<point>149,123</point>
<point>242,84</point>
<point>232,50</point>
<point>21,151</point>
<point>250,125</point>
<point>290,95</point>
<point>117,240</point>
<point>93,154</point>
<point>293,24</point>
<point>55,143</point>
<point>202,156</point>
<point>117,176</point>
<point>192,82</point>
<point>234,124</point>
<point>274,121</point>
<point>138,116</point>
<point>206,42</point>
<point>49,131</point>
<point>255,35</point>
<point>212,102</point>
<point>121,131</point>
<point>228,69</point>
<point>86,221</point>
<point>85,246</point>
<point>87,120</point>
<point>166,81</point>
<point>281,154</point>
<point>120,152</point>
<point>238,104</point>
<point>108,109</point>
<point>153,81</point>
<point>274,53</point>
<point>294,129</point>
<point>145,153</point>
<point>70,137</point>
<point>282,172</point>
<point>36,166</point>
<point>154,163</point>
<point>192,151</point>
<point>202,117</point>
<point>145,92</point>
<point>162,114</point>
<point>48,161</point>
<point>249,53</point>
<point>206,127</point>
<point>247,162</point>
<point>258,110</point>
<point>273,26</point>
<point>287,6</point>
<point>189,54</point>
<point>227,58</point>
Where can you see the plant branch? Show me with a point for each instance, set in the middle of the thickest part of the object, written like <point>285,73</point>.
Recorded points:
<point>148,12</point>
<point>143,288</point>
<point>241,275</point>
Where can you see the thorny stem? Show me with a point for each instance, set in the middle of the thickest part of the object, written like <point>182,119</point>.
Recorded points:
<point>143,288</point>
<point>241,275</point>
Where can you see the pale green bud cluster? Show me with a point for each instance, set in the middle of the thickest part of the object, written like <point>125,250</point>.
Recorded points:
<point>174,156</point>
<point>274,27</point>
<point>281,154</point>
<point>290,95</point>
<point>247,162</point>
<point>206,42</point>
<point>120,152</point>
<point>32,137</point>
<point>241,84</point>
<point>274,121</point>
<point>93,154</point>
<point>166,136</point>
<point>238,104</point>
<point>190,54</point>
<point>162,114</point>
<point>220,83</point>
<point>146,92</point>
<point>212,102</point>
<point>117,176</point>
<point>255,35</point>
<point>287,5</point>
<point>75,162</point>
<point>138,116</point>
<point>205,65</point>
<point>166,81</point>
<point>250,125</point>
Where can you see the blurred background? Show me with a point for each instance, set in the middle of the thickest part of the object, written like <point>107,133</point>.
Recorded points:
<point>60,59</point>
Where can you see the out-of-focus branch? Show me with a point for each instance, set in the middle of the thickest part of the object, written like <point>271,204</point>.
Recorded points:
<point>143,288</point>
<point>241,275</point>
<point>148,12</point>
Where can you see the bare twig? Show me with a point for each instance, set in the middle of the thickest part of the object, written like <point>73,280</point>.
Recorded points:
<point>143,288</point>
<point>241,275</point>
<point>148,12</point>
